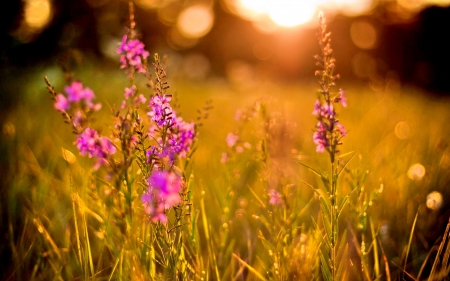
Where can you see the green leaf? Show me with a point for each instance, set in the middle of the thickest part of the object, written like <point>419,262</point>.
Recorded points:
<point>342,245</point>
<point>325,207</point>
<point>321,237</point>
<point>325,268</point>
<point>343,263</point>
<point>267,245</point>
<point>343,203</point>
<point>327,225</point>
<point>324,179</point>
<point>345,165</point>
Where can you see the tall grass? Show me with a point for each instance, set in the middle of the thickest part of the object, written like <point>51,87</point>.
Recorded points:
<point>256,201</point>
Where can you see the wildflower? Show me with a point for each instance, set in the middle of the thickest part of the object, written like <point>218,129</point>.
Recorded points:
<point>224,158</point>
<point>132,54</point>
<point>129,92</point>
<point>90,143</point>
<point>329,131</point>
<point>342,98</point>
<point>61,103</point>
<point>163,193</point>
<point>75,94</point>
<point>139,100</point>
<point>161,111</point>
<point>275,197</point>
<point>232,139</point>
<point>184,136</point>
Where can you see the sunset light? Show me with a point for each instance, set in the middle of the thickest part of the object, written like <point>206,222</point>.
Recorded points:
<point>291,13</point>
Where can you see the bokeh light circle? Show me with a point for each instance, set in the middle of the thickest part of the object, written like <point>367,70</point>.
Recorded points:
<point>195,21</point>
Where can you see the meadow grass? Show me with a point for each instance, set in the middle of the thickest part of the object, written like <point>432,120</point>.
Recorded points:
<point>260,215</point>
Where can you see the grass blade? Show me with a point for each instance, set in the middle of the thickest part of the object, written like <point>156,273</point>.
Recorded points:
<point>250,268</point>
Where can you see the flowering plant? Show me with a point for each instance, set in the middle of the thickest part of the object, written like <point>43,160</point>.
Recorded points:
<point>144,155</point>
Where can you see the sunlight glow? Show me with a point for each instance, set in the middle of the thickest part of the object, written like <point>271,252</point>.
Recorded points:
<point>36,16</point>
<point>195,21</point>
<point>290,13</point>
<point>285,13</point>
<point>37,13</point>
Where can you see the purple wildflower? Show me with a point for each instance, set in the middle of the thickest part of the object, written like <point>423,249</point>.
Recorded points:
<point>342,98</point>
<point>61,103</point>
<point>320,138</point>
<point>275,197</point>
<point>139,100</point>
<point>329,131</point>
<point>132,54</point>
<point>90,143</point>
<point>129,92</point>
<point>163,193</point>
<point>76,93</point>
<point>184,136</point>
<point>161,111</point>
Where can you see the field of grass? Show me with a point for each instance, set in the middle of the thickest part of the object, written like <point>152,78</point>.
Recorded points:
<point>64,220</point>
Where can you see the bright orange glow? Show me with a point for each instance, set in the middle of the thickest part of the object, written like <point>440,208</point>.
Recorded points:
<point>37,13</point>
<point>286,13</point>
<point>291,13</point>
<point>151,4</point>
<point>195,21</point>
<point>353,7</point>
<point>256,6</point>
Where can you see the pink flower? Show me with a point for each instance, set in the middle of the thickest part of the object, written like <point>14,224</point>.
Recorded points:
<point>275,197</point>
<point>232,139</point>
<point>90,143</point>
<point>342,98</point>
<point>132,54</point>
<point>163,193</point>
<point>224,158</point>
<point>61,103</point>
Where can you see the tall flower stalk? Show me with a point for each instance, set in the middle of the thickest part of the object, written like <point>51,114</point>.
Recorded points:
<point>327,138</point>
<point>145,160</point>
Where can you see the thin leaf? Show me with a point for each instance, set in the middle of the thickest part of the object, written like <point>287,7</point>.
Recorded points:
<point>410,241</point>
<point>342,245</point>
<point>325,268</point>
<point>250,268</point>
<point>343,203</point>
<point>325,207</point>
<point>327,225</point>
<point>342,263</point>
<point>346,163</point>
<point>115,265</point>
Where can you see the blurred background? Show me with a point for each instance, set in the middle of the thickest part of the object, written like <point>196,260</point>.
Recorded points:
<point>231,51</point>
<point>248,40</point>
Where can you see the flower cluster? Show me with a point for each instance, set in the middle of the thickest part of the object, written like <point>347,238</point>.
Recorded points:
<point>178,140</point>
<point>131,94</point>
<point>76,94</point>
<point>329,131</point>
<point>133,54</point>
<point>163,193</point>
<point>91,144</point>
<point>328,128</point>
<point>160,110</point>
